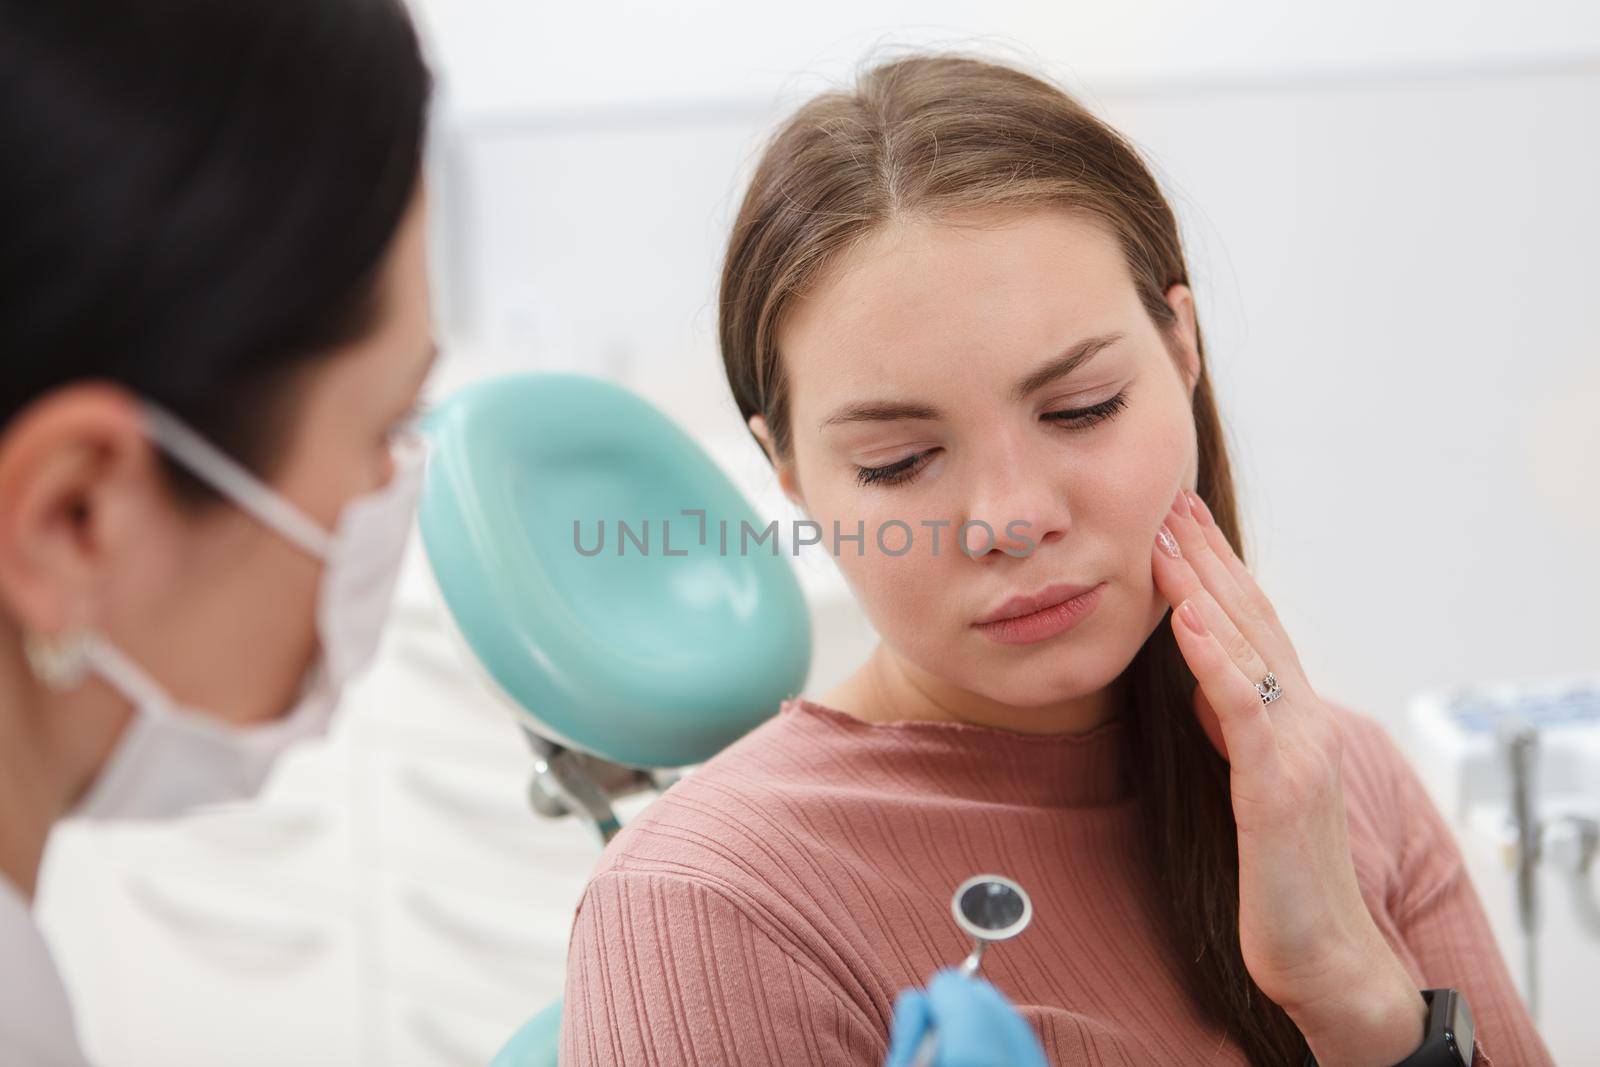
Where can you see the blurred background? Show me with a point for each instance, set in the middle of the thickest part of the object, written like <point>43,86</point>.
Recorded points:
<point>1391,217</point>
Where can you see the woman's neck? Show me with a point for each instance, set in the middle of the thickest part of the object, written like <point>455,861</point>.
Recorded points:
<point>887,689</point>
<point>28,807</point>
<point>51,746</point>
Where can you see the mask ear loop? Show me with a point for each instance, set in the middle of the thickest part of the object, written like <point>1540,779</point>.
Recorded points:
<point>124,675</point>
<point>222,472</point>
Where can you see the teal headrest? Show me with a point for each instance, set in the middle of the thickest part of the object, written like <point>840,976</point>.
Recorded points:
<point>537,1043</point>
<point>659,649</point>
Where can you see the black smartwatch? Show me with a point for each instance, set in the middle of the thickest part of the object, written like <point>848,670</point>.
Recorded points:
<point>1447,1041</point>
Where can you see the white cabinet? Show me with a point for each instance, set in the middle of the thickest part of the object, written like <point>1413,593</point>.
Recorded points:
<point>229,938</point>
<point>391,899</point>
<point>417,1033</point>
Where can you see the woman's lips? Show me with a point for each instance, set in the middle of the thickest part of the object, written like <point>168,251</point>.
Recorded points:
<point>1042,624</point>
<point>1048,597</point>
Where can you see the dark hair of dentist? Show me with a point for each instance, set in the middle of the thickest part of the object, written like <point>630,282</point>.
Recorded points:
<point>215,207</point>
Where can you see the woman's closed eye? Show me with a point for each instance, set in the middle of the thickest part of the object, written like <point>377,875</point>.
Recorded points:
<point>902,471</point>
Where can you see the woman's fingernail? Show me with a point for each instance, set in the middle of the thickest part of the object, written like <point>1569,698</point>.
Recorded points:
<point>1201,512</point>
<point>1168,543</point>
<point>1180,503</point>
<point>1191,617</point>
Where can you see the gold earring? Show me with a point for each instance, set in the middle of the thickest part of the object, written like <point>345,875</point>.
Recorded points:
<point>60,662</point>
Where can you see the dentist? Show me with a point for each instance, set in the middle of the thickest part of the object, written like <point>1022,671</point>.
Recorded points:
<point>213,325</point>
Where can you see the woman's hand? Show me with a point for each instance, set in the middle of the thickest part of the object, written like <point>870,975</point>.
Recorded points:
<point>1307,937</point>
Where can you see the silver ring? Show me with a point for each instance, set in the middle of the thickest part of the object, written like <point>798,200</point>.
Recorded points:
<point>1269,688</point>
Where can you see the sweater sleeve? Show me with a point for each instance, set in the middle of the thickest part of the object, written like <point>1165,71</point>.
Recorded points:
<point>1441,920</point>
<point>664,969</point>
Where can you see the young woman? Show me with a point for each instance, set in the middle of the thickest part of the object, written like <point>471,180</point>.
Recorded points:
<point>956,315</point>
<point>213,320</point>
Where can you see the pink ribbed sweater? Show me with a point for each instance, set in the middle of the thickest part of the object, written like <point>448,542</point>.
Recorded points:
<point>767,909</point>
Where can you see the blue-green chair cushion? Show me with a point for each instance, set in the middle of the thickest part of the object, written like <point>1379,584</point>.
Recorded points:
<point>536,1042</point>
<point>633,654</point>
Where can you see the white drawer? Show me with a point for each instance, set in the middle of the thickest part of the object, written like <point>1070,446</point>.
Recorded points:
<point>190,972</point>
<point>421,696</point>
<point>489,955</point>
<point>299,834</point>
<point>471,827</point>
<point>421,1034</point>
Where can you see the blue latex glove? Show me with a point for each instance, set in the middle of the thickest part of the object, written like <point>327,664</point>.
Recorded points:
<point>977,1026</point>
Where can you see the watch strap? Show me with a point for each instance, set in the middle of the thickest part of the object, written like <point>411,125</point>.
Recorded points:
<point>1440,1038</point>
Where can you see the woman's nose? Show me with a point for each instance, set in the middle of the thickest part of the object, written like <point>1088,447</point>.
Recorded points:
<point>1018,509</point>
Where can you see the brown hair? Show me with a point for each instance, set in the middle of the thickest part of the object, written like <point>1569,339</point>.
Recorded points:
<point>938,134</point>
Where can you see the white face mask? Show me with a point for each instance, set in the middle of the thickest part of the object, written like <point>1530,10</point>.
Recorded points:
<point>170,758</point>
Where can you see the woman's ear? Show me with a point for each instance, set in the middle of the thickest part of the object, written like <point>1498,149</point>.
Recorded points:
<point>1181,300</point>
<point>788,479</point>
<point>76,477</point>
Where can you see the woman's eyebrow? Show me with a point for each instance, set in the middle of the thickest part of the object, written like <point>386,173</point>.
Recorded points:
<point>1064,364</point>
<point>901,410</point>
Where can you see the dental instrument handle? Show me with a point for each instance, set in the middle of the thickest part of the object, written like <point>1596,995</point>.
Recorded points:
<point>928,1047</point>
<point>1520,743</point>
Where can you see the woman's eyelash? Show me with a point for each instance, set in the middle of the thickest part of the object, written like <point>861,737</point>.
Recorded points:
<point>893,474</point>
<point>1082,417</point>
<point>1075,419</point>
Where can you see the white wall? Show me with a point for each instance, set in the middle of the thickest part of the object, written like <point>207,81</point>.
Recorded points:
<point>506,55</point>
<point>1394,276</point>
<point>1392,227</point>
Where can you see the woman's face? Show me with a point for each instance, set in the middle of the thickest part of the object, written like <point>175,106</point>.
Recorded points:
<point>254,614</point>
<point>933,375</point>
<point>218,608</point>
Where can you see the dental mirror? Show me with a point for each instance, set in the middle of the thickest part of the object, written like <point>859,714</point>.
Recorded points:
<point>989,908</point>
